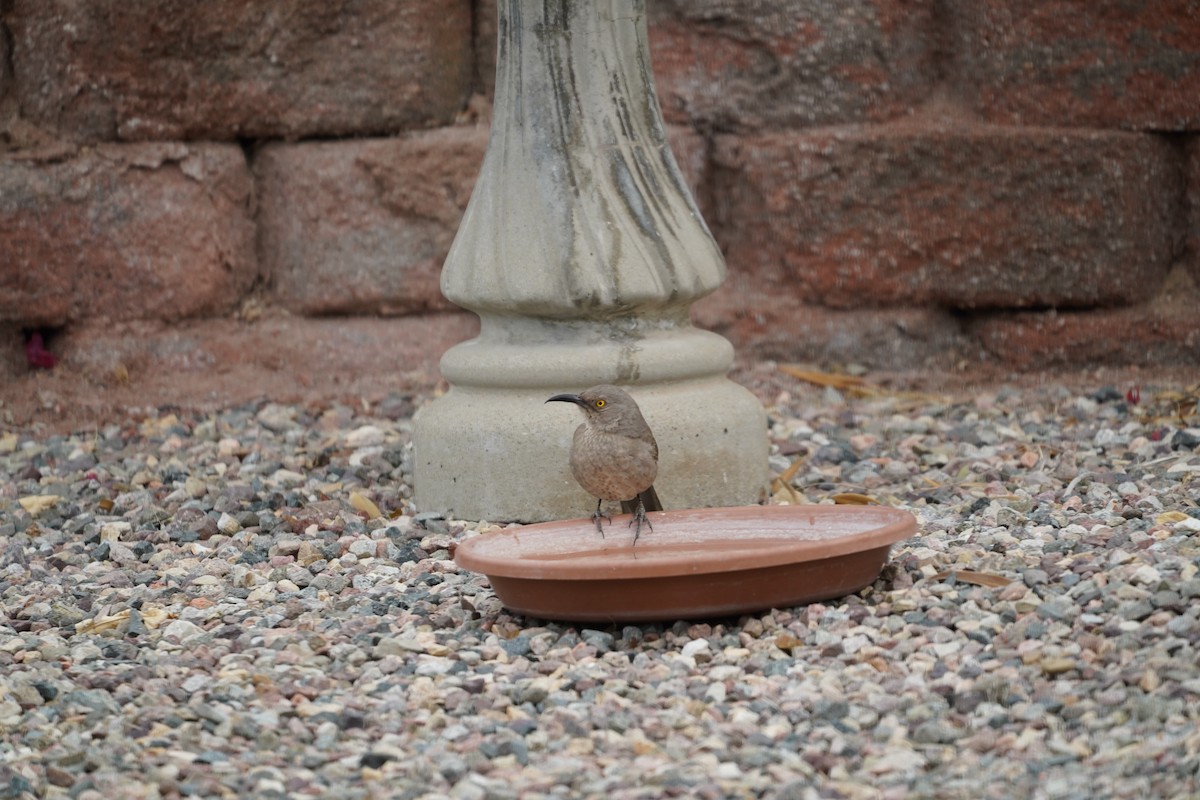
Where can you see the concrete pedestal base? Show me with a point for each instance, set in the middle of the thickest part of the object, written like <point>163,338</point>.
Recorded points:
<point>491,448</point>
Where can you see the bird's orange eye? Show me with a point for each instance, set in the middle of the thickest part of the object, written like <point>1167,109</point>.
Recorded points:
<point>600,403</point>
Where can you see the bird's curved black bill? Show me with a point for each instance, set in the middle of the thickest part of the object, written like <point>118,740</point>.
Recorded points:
<point>568,398</point>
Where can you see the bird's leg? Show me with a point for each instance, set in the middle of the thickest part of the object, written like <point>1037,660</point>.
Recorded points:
<point>639,516</point>
<point>599,515</point>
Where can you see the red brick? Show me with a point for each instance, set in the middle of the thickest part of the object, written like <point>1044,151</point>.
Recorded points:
<point>721,64</point>
<point>215,363</point>
<point>170,69</point>
<point>6,76</point>
<point>485,45</point>
<point>959,217</point>
<point>363,226</point>
<point>691,154</point>
<point>308,351</point>
<point>1192,203</point>
<point>125,232</point>
<point>777,327</point>
<point>1102,63</point>
<point>1164,331</point>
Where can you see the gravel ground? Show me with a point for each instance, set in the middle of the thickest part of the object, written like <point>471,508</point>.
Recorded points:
<point>245,604</point>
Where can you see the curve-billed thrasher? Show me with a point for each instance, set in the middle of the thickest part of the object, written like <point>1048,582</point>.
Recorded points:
<point>614,455</point>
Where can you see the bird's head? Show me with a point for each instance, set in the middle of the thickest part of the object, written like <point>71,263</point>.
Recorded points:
<point>609,409</point>
<point>596,400</point>
<point>600,403</point>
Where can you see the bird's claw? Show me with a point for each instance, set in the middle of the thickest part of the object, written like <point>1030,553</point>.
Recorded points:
<point>597,516</point>
<point>639,516</point>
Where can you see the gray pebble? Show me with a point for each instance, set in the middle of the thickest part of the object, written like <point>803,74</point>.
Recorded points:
<point>603,642</point>
<point>1035,577</point>
<point>935,732</point>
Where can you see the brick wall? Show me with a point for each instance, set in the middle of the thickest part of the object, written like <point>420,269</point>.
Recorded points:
<point>894,182</point>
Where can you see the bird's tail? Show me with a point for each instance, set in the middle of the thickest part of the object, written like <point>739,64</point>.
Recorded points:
<point>649,500</point>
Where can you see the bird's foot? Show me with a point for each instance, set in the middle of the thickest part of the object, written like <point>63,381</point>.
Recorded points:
<point>639,517</point>
<point>597,516</point>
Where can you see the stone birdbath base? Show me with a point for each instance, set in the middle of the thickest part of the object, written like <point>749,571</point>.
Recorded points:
<point>695,564</point>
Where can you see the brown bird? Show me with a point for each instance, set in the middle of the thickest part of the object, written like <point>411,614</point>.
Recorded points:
<point>614,455</point>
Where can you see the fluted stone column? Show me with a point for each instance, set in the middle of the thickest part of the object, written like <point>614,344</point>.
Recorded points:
<point>581,251</point>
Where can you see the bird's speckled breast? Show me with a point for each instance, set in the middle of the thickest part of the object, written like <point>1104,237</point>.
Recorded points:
<point>611,466</point>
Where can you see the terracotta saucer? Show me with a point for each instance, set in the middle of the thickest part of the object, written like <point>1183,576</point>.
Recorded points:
<point>696,563</point>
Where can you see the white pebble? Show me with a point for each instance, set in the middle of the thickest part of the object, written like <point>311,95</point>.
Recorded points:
<point>366,436</point>
<point>363,454</point>
<point>728,771</point>
<point>286,477</point>
<point>363,548</point>
<point>1117,557</point>
<point>182,631</point>
<point>1145,574</point>
<point>113,531</point>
